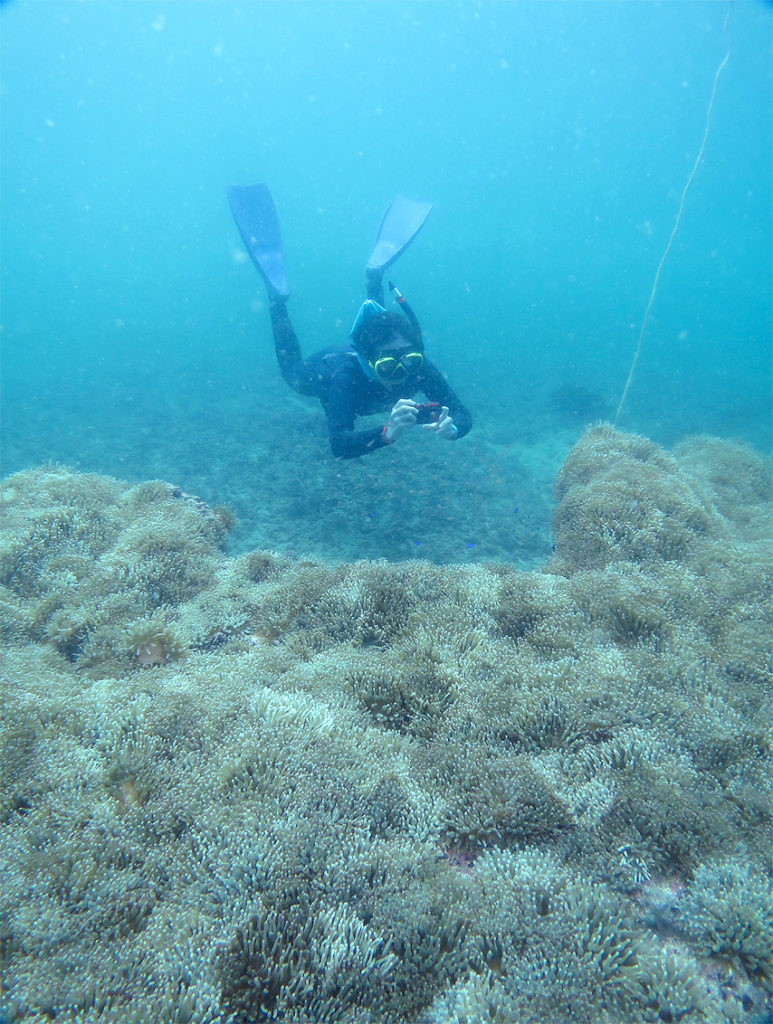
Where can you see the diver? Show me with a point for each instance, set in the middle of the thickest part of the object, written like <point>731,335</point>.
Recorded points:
<point>385,365</point>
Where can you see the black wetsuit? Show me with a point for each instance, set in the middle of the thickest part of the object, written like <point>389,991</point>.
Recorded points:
<point>335,376</point>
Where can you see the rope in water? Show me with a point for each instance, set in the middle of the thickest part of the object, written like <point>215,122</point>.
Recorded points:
<point>675,228</point>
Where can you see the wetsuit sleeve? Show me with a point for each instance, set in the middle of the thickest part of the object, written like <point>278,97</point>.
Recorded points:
<point>345,441</point>
<point>437,389</point>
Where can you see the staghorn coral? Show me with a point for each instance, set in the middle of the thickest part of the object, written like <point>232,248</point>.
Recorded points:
<point>620,498</point>
<point>87,557</point>
<point>561,948</point>
<point>505,803</point>
<point>153,642</point>
<point>672,990</point>
<point>301,964</point>
<point>369,792</point>
<point>728,911</point>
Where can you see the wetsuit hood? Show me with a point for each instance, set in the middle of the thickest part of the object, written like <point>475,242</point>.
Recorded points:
<point>374,329</point>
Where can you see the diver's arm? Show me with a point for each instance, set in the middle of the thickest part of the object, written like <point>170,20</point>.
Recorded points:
<point>437,389</point>
<point>350,444</point>
<point>345,441</point>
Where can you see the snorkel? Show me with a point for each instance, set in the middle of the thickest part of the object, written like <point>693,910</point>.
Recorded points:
<point>402,302</point>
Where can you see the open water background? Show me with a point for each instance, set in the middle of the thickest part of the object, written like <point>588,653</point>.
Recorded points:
<point>555,140</point>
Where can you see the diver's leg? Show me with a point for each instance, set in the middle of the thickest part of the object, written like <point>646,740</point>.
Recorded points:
<point>303,375</point>
<point>375,285</point>
<point>288,349</point>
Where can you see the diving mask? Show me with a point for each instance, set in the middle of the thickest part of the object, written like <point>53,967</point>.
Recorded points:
<point>397,367</point>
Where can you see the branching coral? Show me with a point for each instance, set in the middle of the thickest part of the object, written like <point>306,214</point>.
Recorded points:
<point>623,499</point>
<point>303,965</point>
<point>86,557</point>
<point>728,911</point>
<point>153,642</point>
<point>394,793</point>
<point>507,803</point>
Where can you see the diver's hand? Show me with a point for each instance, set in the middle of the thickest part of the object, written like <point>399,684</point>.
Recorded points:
<point>445,426</point>
<point>402,416</point>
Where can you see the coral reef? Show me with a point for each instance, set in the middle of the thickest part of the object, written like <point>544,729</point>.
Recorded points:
<point>267,788</point>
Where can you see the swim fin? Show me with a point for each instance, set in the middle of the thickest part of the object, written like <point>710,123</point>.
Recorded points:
<point>401,223</point>
<point>255,215</point>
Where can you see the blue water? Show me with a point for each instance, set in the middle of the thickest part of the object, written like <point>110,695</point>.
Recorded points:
<point>555,140</point>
